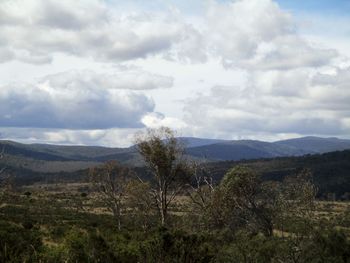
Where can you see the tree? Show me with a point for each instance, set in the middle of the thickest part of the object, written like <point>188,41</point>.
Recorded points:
<point>297,204</point>
<point>6,180</point>
<point>111,180</point>
<point>164,156</point>
<point>201,187</point>
<point>140,202</point>
<point>245,201</point>
<point>201,191</point>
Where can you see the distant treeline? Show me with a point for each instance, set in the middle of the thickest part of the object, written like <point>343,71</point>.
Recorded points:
<point>331,171</point>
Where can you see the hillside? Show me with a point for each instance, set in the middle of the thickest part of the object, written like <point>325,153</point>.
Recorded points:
<point>57,158</point>
<point>312,144</point>
<point>331,171</point>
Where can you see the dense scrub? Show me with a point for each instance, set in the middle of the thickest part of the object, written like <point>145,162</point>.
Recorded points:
<point>68,223</point>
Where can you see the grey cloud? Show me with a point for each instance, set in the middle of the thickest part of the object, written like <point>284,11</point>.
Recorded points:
<point>8,15</point>
<point>121,79</point>
<point>87,29</point>
<point>109,137</point>
<point>93,111</point>
<point>249,34</point>
<point>138,48</point>
<point>79,100</point>
<point>341,77</point>
<point>290,53</point>
<point>6,55</point>
<point>333,90</point>
<point>276,102</point>
<point>62,15</point>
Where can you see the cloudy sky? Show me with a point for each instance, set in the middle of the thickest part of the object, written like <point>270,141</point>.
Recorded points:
<point>95,72</point>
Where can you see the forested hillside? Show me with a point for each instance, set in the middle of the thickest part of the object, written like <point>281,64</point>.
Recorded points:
<point>331,171</point>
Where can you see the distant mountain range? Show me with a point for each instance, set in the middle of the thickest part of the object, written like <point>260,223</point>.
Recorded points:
<point>251,149</point>
<point>57,158</point>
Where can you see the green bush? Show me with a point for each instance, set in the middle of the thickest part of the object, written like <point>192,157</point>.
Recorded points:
<point>18,244</point>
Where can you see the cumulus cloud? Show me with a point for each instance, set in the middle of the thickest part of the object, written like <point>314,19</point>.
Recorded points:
<point>244,33</point>
<point>157,120</point>
<point>332,90</point>
<point>36,29</point>
<point>80,100</point>
<point>296,102</point>
<point>260,35</point>
<point>287,89</point>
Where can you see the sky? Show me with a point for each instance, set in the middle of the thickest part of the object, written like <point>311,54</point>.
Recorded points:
<point>95,72</point>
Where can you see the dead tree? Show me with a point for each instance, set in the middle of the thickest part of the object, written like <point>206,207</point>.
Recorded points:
<point>110,181</point>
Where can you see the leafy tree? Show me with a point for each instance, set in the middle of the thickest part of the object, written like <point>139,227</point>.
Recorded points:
<point>244,201</point>
<point>164,156</point>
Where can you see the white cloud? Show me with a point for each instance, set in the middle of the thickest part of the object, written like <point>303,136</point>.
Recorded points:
<point>274,102</point>
<point>289,52</point>
<point>256,34</point>
<point>287,89</point>
<point>109,137</point>
<point>36,29</point>
<point>157,120</point>
<point>252,34</point>
<point>80,100</point>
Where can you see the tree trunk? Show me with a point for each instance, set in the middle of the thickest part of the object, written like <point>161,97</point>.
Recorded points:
<point>117,216</point>
<point>163,211</point>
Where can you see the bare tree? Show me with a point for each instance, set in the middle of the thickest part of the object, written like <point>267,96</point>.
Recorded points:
<point>201,187</point>
<point>111,180</point>
<point>163,154</point>
<point>298,202</point>
<point>140,202</point>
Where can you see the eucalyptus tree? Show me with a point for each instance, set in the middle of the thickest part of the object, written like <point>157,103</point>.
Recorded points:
<point>164,156</point>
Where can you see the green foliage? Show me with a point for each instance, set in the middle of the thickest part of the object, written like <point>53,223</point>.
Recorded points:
<point>177,246</point>
<point>19,244</point>
<point>327,246</point>
<point>163,155</point>
<point>330,170</point>
<point>247,248</point>
<point>243,202</point>
<point>81,246</point>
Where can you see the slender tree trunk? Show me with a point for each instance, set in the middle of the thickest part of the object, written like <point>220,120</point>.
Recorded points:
<point>117,216</point>
<point>163,210</point>
<point>162,199</point>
